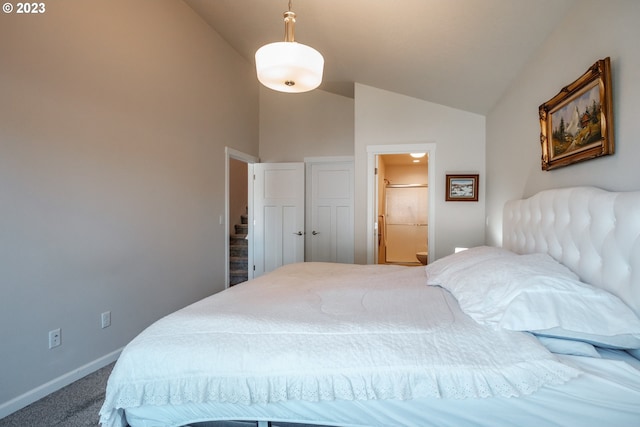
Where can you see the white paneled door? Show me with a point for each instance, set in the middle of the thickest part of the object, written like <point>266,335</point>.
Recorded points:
<point>331,238</point>
<point>279,233</point>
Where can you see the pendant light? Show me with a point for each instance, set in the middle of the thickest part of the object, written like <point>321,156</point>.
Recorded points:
<point>289,66</point>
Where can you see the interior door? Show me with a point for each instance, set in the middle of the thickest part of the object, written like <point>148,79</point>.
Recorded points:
<point>278,215</point>
<point>331,212</point>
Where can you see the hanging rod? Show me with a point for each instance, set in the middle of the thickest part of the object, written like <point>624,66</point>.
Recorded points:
<point>407,185</point>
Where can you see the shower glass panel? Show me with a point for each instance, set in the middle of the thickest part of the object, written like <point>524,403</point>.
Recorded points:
<point>406,222</point>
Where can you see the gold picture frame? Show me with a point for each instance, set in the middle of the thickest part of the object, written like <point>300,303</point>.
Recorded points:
<point>462,188</point>
<point>577,124</point>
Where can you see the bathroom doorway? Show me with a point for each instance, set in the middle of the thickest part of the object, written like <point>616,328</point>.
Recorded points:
<point>403,208</point>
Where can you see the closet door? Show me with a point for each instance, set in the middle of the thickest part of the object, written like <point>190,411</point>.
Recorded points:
<point>278,215</point>
<point>330,234</point>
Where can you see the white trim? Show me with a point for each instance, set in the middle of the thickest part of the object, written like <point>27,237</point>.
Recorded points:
<point>239,155</point>
<point>56,384</point>
<point>230,153</point>
<point>372,152</point>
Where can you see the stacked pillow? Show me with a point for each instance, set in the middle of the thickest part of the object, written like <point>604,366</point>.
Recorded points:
<point>534,293</point>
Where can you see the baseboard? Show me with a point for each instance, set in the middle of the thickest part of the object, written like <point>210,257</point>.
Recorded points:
<point>15,404</point>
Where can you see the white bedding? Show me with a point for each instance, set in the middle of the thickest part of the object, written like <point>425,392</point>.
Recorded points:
<point>330,333</point>
<point>607,393</point>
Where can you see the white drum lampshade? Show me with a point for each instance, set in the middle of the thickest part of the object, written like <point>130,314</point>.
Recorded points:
<point>289,66</point>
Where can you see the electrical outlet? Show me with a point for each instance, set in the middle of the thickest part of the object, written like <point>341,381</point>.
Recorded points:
<point>55,338</point>
<point>106,319</point>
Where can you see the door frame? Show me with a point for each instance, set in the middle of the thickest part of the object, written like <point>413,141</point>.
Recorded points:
<point>372,191</point>
<point>230,153</point>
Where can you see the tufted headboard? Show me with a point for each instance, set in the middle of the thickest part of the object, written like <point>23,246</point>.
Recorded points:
<point>596,233</point>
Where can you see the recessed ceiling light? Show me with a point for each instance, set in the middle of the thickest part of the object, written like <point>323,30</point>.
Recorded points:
<point>418,155</point>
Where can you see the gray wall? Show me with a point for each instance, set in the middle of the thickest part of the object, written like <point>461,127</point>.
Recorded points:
<point>591,31</point>
<point>114,115</point>
<point>310,124</point>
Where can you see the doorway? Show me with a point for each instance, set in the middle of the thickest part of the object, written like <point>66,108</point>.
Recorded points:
<point>410,191</point>
<point>402,208</point>
<point>238,237</point>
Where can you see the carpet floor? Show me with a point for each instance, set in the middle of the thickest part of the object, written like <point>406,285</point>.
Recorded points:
<point>79,403</point>
<point>76,405</point>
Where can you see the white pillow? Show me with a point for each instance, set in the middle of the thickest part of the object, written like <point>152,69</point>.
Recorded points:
<point>536,293</point>
<point>635,352</point>
<point>570,347</point>
<point>441,270</point>
<point>618,341</point>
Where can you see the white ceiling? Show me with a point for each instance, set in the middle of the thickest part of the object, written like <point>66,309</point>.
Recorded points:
<point>459,53</point>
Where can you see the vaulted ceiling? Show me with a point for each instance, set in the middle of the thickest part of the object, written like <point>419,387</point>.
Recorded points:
<point>459,53</point>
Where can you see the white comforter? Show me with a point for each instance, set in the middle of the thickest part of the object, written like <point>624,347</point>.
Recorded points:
<point>320,332</point>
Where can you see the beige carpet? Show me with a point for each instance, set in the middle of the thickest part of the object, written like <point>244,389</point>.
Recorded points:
<point>76,405</point>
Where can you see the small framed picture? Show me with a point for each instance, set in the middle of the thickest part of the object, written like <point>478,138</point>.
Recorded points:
<point>462,188</point>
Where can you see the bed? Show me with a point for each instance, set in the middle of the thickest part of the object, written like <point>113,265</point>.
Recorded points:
<point>541,331</point>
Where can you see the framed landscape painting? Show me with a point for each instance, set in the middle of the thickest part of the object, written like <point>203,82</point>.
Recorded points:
<point>462,188</point>
<point>577,123</point>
